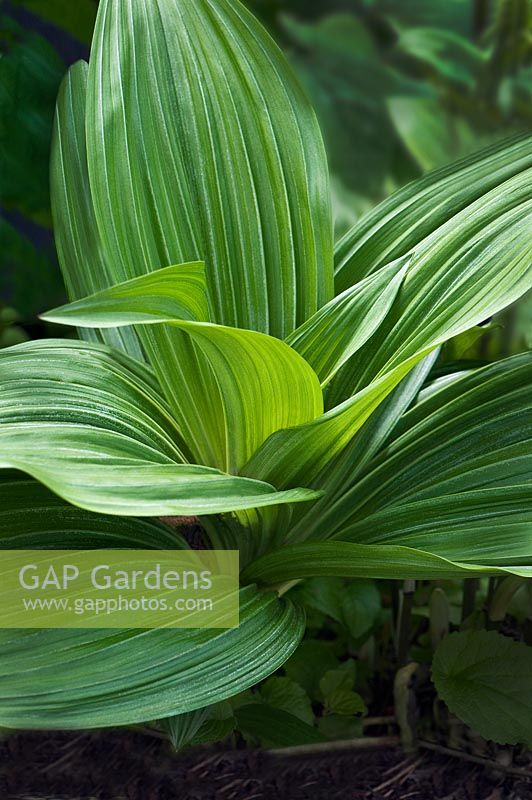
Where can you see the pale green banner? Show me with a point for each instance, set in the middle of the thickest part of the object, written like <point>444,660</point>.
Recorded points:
<point>119,588</point>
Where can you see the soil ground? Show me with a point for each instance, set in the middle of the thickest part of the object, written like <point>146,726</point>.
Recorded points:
<point>122,765</point>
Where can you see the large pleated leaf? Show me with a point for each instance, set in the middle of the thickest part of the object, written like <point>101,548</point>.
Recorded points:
<point>326,515</point>
<point>468,269</point>
<point>398,224</point>
<point>331,336</point>
<point>58,382</point>
<point>84,422</point>
<point>250,384</point>
<point>456,478</point>
<point>97,678</point>
<point>351,560</point>
<point>82,259</point>
<point>488,526</point>
<point>31,517</point>
<point>303,452</point>
<point>202,145</point>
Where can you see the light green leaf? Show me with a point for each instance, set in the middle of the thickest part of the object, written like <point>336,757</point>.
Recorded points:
<point>487,244</point>
<point>344,702</point>
<point>250,384</point>
<point>98,678</point>
<point>126,485</point>
<point>182,728</point>
<point>342,473</point>
<point>55,383</point>
<point>396,226</point>
<point>84,264</point>
<point>303,452</point>
<point>215,154</point>
<point>331,336</point>
<point>177,292</point>
<point>486,680</point>
<point>89,425</point>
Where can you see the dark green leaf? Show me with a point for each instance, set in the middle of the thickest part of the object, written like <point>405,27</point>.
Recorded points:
<point>91,679</point>
<point>486,680</point>
<point>275,727</point>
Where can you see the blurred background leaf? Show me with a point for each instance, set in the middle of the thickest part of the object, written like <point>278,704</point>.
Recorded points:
<point>34,55</point>
<point>77,18</point>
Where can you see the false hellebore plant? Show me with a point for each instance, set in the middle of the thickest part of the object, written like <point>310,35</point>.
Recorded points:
<point>234,364</point>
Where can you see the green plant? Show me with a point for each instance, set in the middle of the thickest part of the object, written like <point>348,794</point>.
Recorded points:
<point>250,382</point>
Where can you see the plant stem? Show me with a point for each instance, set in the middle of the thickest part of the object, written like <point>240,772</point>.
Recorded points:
<point>486,762</point>
<point>363,743</point>
<point>470,593</point>
<point>480,17</point>
<point>406,601</point>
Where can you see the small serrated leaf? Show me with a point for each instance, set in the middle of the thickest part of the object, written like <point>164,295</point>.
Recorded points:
<point>486,680</point>
<point>344,702</point>
<point>342,678</point>
<point>288,695</point>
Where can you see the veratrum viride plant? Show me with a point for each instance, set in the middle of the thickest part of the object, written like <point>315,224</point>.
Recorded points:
<point>235,365</point>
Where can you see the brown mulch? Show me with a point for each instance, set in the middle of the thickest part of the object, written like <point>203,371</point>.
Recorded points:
<point>121,765</point>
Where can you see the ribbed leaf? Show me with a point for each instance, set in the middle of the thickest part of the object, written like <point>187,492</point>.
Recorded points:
<point>351,560</point>
<point>58,382</point>
<point>331,336</point>
<point>81,257</point>
<point>467,270</point>
<point>87,424</point>
<point>31,517</point>
<point>398,224</point>
<point>327,514</point>
<point>182,728</point>
<point>456,479</point>
<point>487,526</point>
<point>177,292</point>
<point>303,452</point>
<point>89,679</point>
<point>251,384</point>
<point>202,145</point>
<point>127,486</point>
